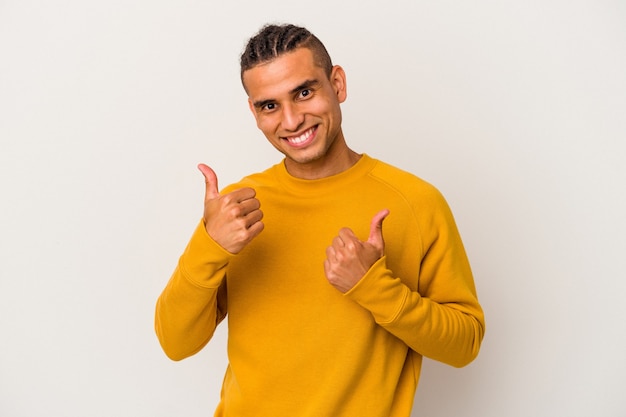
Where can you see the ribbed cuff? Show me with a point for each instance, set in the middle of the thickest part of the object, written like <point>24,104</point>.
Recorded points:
<point>380,293</point>
<point>203,262</point>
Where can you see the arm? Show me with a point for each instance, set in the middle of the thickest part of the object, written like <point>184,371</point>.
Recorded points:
<point>441,318</point>
<point>194,301</point>
<point>445,325</point>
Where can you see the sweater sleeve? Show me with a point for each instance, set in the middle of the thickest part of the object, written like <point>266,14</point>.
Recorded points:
<point>442,318</point>
<point>194,301</point>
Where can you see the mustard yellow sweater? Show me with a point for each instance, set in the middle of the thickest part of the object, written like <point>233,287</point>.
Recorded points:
<point>296,345</point>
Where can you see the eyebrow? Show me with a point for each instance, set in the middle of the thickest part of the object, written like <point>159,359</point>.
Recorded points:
<point>305,85</point>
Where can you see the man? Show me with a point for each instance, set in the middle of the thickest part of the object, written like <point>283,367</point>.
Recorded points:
<point>329,312</point>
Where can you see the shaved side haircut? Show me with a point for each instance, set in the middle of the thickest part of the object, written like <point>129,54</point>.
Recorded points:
<point>273,41</point>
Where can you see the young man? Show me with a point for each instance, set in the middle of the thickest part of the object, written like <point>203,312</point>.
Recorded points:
<point>329,312</point>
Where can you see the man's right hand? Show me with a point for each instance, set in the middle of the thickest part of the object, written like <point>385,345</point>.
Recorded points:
<point>233,219</point>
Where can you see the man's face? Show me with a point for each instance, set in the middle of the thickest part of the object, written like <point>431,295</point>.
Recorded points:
<point>296,106</point>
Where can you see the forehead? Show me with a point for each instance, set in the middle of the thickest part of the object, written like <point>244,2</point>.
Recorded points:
<point>282,74</point>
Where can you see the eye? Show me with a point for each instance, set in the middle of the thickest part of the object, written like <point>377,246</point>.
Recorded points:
<point>305,93</point>
<point>269,107</point>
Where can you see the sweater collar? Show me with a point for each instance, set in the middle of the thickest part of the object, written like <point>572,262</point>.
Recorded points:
<point>323,185</point>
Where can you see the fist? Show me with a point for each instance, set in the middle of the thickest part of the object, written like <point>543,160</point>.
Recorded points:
<point>233,219</point>
<point>348,258</point>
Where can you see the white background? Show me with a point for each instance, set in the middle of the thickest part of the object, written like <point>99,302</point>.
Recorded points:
<point>514,109</point>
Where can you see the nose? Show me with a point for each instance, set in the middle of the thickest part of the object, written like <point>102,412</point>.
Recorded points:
<point>292,118</point>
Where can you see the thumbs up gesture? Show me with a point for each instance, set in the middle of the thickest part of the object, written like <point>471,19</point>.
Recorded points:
<point>348,258</point>
<point>233,219</point>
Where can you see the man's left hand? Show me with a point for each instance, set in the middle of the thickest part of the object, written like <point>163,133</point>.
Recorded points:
<point>348,258</point>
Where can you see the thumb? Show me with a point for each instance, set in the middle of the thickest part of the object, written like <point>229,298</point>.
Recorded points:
<point>211,182</point>
<point>376,229</point>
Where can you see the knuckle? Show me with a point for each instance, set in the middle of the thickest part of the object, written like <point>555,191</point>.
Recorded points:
<point>233,211</point>
<point>241,224</point>
<point>227,199</point>
<point>242,236</point>
<point>255,216</point>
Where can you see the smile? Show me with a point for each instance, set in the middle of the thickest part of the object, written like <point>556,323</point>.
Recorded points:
<point>301,139</point>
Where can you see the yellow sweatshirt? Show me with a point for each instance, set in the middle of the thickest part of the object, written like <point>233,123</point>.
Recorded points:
<point>296,345</point>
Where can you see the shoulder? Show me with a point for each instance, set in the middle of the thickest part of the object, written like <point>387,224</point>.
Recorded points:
<point>426,203</point>
<point>255,180</point>
<point>405,183</point>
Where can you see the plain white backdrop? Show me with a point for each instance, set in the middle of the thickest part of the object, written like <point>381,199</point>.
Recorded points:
<point>515,110</point>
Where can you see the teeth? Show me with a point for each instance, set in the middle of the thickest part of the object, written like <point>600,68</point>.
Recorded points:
<point>299,139</point>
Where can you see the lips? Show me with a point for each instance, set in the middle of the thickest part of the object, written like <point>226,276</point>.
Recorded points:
<point>302,139</point>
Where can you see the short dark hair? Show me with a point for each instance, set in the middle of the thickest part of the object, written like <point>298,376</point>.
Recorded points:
<point>273,41</point>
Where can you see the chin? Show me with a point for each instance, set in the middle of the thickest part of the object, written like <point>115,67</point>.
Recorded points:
<point>306,157</point>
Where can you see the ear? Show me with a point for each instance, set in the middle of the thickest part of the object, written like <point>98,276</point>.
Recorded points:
<point>338,80</point>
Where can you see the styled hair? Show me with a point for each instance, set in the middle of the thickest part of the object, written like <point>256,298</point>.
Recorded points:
<point>273,41</point>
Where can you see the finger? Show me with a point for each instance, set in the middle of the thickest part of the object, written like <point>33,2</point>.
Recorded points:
<point>338,242</point>
<point>243,194</point>
<point>211,182</point>
<point>376,229</point>
<point>249,206</point>
<point>255,229</point>
<point>252,218</point>
<point>347,234</point>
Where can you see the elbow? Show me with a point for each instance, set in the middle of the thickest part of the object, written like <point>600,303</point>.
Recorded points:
<point>472,347</point>
<point>174,351</point>
<point>464,360</point>
<point>176,344</point>
<point>174,354</point>
<point>170,349</point>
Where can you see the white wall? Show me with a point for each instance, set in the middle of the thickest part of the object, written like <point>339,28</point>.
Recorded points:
<point>515,110</point>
